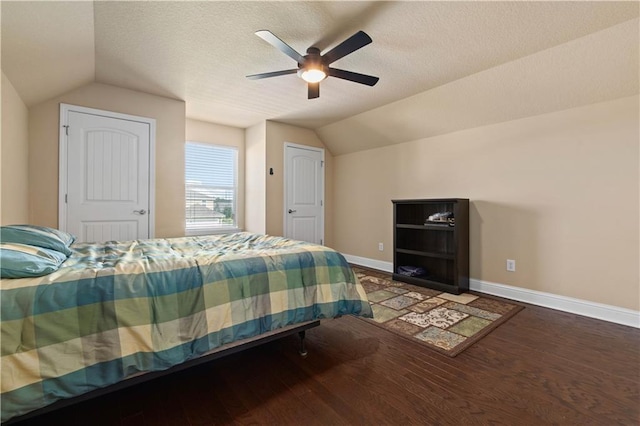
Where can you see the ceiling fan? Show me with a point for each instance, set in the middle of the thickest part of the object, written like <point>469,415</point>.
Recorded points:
<point>314,67</point>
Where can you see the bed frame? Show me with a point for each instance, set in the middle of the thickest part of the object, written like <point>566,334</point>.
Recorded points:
<point>224,350</point>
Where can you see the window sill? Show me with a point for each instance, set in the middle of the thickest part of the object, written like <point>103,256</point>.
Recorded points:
<point>210,231</point>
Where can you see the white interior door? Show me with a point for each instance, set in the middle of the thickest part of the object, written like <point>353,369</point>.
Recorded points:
<point>108,177</point>
<point>304,193</point>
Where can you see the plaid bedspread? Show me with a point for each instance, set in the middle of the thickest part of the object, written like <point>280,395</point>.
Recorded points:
<point>119,308</point>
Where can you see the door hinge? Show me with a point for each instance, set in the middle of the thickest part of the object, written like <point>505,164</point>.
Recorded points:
<point>65,198</point>
<point>66,129</point>
<point>321,242</point>
<point>321,203</point>
<point>321,163</point>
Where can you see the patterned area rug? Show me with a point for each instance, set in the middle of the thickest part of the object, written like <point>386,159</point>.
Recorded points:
<point>447,323</point>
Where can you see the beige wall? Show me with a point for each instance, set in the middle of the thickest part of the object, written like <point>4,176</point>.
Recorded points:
<point>15,157</point>
<point>170,136</point>
<point>218,134</point>
<point>559,193</point>
<point>276,135</point>
<point>255,219</point>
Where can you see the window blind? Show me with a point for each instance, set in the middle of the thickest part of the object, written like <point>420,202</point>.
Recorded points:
<point>211,186</point>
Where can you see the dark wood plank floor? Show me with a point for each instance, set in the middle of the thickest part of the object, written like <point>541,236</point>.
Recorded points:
<point>541,367</point>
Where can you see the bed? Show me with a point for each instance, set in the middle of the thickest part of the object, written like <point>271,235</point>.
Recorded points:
<point>118,311</point>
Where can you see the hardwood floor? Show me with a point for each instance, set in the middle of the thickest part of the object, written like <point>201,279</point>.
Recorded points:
<point>541,367</point>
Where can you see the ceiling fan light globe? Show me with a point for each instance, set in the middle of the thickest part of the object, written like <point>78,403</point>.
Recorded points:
<point>312,75</point>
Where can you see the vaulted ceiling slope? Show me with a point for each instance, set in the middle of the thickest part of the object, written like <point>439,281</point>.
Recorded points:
<point>443,66</point>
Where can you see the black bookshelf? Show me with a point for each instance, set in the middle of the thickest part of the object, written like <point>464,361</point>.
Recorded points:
<point>442,249</point>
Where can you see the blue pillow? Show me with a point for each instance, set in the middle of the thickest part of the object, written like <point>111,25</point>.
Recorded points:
<point>39,236</point>
<point>22,261</point>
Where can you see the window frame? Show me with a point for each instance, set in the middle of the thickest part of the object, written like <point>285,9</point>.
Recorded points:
<point>213,229</point>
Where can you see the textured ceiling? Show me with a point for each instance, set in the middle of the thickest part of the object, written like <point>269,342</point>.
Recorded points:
<point>594,68</point>
<point>47,47</point>
<point>201,52</point>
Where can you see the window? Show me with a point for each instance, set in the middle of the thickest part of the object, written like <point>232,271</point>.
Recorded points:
<point>211,188</point>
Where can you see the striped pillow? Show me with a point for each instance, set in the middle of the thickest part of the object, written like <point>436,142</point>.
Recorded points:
<point>22,261</point>
<point>39,236</point>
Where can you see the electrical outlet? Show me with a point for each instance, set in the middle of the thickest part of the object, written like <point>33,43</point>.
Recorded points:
<point>380,246</point>
<point>511,265</point>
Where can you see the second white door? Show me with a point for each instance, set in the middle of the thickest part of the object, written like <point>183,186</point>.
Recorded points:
<point>304,193</point>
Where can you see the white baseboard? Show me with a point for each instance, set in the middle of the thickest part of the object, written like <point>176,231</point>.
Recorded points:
<point>380,265</point>
<point>562,303</point>
<point>586,308</point>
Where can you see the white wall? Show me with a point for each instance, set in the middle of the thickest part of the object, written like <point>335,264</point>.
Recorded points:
<point>558,192</point>
<point>15,157</point>
<point>255,219</point>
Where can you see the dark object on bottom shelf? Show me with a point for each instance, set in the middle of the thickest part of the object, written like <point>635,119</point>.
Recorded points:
<point>412,271</point>
<point>431,282</point>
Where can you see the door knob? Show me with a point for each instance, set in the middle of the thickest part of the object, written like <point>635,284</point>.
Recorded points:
<point>292,211</point>
<point>140,212</point>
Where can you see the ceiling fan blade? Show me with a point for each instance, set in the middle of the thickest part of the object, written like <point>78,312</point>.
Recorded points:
<point>270,38</point>
<point>353,43</point>
<point>271,74</point>
<point>313,90</point>
<point>369,80</point>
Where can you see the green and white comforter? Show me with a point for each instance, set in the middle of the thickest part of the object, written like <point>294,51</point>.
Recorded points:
<point>113,310</point>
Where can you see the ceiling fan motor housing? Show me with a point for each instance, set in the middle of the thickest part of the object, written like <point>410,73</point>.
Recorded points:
<point>312,61</point>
